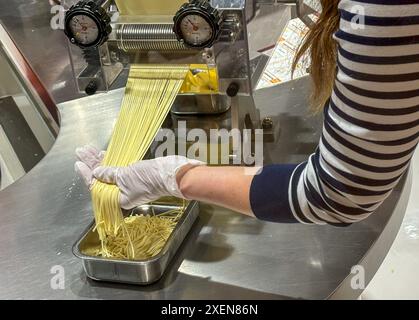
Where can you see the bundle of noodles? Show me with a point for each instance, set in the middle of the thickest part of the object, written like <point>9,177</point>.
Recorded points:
<point>149,95</point>
<point>147,236</point>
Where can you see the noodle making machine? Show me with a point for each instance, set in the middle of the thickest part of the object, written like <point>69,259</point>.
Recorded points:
<point>214,37</point>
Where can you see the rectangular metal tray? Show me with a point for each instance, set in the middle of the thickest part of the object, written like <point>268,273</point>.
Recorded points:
<point>141,272</point>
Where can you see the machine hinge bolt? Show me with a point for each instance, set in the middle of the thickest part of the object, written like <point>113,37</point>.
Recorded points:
<point>91,87</point>
<point>233,89</point>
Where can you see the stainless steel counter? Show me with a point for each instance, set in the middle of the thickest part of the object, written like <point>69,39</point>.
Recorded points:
<point>226,255</point>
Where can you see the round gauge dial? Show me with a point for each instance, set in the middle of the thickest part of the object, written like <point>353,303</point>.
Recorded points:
<point>87,24</point>
<point>84,29</point>
<point>197,24</point>
<point>196,30</point>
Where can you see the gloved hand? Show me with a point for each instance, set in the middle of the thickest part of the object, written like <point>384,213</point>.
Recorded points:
<point>140,183</point>
<point>89,158</point>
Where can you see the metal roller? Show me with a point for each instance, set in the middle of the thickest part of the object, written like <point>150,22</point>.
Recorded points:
<point>147,37</point>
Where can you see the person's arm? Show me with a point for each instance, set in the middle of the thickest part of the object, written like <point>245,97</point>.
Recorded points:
<point>370,131</point>
<point>225,186</point>
<point>257,193</point>
<point>178,176</point>
<point>371,125</point>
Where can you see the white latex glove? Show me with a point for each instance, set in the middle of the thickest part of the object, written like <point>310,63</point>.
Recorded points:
<point>142,182</point>
<point>89,158</point>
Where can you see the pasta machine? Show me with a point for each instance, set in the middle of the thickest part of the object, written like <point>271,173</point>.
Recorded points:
<point>209,35</point>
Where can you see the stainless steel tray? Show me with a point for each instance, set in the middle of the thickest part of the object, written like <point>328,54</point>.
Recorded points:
<point>136,271</point>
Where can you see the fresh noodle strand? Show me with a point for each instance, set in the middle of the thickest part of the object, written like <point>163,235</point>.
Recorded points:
<point>149,95</point>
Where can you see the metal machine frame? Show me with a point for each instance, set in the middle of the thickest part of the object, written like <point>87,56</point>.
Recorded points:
<point>128,35</point>
<point>151,38</point>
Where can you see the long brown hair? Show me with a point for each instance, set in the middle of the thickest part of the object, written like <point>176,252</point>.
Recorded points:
<point>322,48</point>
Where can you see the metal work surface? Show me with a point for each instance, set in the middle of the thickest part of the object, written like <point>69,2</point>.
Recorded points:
<point>226,255</point>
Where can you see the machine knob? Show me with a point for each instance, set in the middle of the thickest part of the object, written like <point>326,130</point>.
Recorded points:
<point>233,89</point>
<point>91,87</point>
<point>197,24</point>
<point>87,24</point>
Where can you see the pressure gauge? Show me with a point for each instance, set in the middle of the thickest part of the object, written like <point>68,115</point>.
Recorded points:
<point>84,29</point>
<point>197,24</point>
<point>87,24</point>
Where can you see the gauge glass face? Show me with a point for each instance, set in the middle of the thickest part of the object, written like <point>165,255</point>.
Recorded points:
<point>195,29</point>
<point>84,29</point>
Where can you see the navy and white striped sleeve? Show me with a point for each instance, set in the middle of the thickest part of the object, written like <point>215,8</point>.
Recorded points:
<point>371,125</point>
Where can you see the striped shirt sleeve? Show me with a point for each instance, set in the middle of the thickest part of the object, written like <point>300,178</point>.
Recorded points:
<point>371,123</point>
